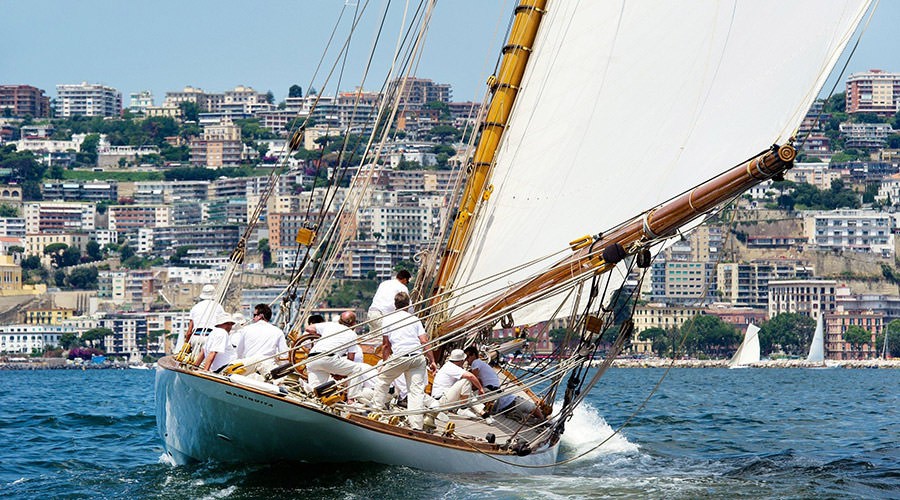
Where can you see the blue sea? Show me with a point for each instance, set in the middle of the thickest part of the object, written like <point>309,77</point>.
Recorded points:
<point>710,433</point>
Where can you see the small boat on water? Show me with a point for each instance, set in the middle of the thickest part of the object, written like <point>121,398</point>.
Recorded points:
<point>609,130</point>
<point>816,354</point>
<point>748,351</point>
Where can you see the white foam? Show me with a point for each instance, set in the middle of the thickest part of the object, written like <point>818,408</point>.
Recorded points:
<point>167,459</point>
<point>587,429</point>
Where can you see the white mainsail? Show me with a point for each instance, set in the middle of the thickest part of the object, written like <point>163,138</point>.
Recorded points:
<point>817,348</point>
<point>748,352</point>
<point>618,112</point>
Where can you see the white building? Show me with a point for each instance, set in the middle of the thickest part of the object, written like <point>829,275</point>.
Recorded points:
<point>59,217</point>
<point>87,99</point>
<point>808,297</point>
<point>140,101</point>
<point>22,339</point>
<point>853,230</point>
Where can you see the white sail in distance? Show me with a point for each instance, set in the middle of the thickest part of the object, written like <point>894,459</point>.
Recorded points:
<point>619,112</point>
<point>817,347</point>
<point>748,352</point>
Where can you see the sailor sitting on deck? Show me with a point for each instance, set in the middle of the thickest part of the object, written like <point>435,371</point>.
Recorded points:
<point>218,351</point>
<point>454,384</point>
<point>331,349</point>
<point>260,344</point>
<point>200,323</point>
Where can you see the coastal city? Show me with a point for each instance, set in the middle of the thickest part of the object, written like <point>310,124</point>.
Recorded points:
<point>113,216</point>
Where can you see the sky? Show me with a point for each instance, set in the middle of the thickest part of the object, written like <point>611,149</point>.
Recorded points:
<point>216,45</point>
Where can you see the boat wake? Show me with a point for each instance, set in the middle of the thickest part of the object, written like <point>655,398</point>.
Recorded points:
<point>586,430</point>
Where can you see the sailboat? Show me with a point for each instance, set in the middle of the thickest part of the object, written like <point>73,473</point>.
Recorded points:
<point>816,354</point>
<point>609,128</point>
<point>748,351</point>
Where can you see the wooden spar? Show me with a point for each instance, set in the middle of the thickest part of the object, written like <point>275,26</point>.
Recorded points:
<point>634,235</point>
<point>505,87</point>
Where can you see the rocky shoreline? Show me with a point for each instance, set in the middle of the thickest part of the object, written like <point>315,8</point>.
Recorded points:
<point>775,363</point>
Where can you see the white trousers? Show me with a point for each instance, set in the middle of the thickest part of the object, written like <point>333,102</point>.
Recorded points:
<point>414,372</point>
<point>461,391</point>
<point>318,372</point>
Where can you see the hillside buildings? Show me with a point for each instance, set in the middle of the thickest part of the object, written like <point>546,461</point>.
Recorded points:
<point>87,99</point>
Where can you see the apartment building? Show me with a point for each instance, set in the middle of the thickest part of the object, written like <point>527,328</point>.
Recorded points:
<point>128,219</point>
<point>873,91</point>
<point>852,230</point>
<point>92,191</point>
<point>810,297</point>
<point>23,339</point>
<point>87,99</point>
<point>24,100</point>
<point>220,145</point>
<point>139,102</point>
<point>59,217</point>
<point>747,283</point>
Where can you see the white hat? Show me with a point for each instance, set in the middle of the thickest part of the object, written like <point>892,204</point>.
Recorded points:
<point>207,292</point>
<point>239,319</point>
<point>223,318</point>
<point>457,355</point>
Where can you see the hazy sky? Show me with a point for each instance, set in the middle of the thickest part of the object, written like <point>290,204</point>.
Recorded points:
<point>164,45</point>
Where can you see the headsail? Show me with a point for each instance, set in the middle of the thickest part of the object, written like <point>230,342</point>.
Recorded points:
<point>647,112</point>
<point>817,348</point>
<point>748,352</point>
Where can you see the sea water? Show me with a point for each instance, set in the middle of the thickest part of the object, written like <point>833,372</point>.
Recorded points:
<point>716,433</point>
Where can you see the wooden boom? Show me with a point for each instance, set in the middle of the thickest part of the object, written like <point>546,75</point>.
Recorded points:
<point>631,237</point>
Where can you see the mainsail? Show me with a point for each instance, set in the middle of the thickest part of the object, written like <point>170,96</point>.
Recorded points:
<point>619,112</point>
<point>748,352</point>
<point>817,348</point>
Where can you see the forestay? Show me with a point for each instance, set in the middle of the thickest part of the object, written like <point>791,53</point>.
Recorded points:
<point>626,104</point>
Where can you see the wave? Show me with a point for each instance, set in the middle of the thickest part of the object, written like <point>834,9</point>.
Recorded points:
<point>587,429</point>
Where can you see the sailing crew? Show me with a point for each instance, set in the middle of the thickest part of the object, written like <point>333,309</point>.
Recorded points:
<point>383,301</point>
<point>454,384</point>
<point>218,351</point>
<point>200,323</point>
<point>403,353</point>
<point>332,348</point>
<point>261,342</point>
<point>483,371</point>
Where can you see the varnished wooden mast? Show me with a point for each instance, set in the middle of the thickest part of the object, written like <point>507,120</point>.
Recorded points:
<point>632,236</point>
<point>505,87</point>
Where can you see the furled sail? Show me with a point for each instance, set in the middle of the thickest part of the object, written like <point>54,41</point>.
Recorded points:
<point>817,347</point>
<point>748,352</point>
<point>619,112</point>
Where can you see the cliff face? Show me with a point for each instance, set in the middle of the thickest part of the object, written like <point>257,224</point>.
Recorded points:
<point>861,271</point>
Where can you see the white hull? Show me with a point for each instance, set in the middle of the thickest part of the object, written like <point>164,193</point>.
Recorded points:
<point>204,417</point>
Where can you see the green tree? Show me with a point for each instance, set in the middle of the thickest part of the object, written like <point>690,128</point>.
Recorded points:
<point>189,111</point>
<point>837,103</point>
<point>94,251</point>
<point>87,155</point>
<point>126,252</point>
<point>55,251</point>
<point>69,340</point>
<point>295,91</point>
<point>708,334</point>
<point>59,278</point>
<point>84,278</point>
<point>792,332</point>
<point>92,336</point>
<point>857,336</point>
<point>892,333</point>
<point>32,262</point>
<point>445,133</point>
<point>559,337</point>
<point>71,256</point>
<point>23,169</point>
<point>663,340</point>
<point>8,211</point>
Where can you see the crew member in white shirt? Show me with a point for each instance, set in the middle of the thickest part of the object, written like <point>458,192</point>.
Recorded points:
<point>261,342</point>
<point>383,301</point>
<point>218,351</point>
<point>329,353</point>
<point>201,321</point>
<point>403,354</point>
<point>453,384</point>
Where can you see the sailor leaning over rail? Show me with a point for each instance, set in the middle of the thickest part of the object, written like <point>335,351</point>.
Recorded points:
<point>403,353</point>
<point>330,351</point>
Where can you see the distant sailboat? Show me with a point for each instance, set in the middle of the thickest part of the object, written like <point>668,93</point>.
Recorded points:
<point>748,352</point>
<point>817,348</point>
